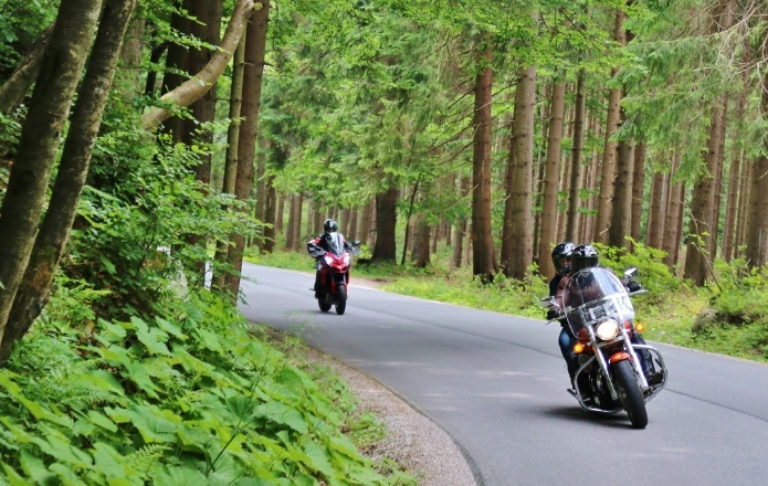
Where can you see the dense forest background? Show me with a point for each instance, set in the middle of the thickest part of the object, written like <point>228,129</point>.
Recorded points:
<point>493,128</point>
<point>146,147</point>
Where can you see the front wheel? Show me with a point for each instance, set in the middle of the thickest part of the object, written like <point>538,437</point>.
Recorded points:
<point>341,298</point>
<point>324,302</point>
<point>630,394</point>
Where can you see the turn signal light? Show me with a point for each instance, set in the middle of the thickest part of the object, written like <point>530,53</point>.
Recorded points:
<point>640,327</point>
<point>578,348</point>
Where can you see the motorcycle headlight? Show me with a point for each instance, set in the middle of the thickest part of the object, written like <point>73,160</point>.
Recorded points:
<point>328,259</point>
<point>607,330</point>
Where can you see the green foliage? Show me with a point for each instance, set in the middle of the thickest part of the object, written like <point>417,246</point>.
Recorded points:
<point>145,221</point>
<point>653,273</point>
<point>191,397</point>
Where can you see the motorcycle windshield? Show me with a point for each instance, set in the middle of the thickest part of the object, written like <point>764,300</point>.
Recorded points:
<point>335,243</point>
<point>594,295</point>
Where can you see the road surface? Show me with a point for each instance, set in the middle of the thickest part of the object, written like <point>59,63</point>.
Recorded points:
<point>497,383</point>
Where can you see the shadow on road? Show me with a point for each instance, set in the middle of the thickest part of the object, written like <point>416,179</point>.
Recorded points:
<point>577,414</point>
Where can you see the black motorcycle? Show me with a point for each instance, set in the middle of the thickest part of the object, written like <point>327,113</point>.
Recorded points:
<point>615,374</point>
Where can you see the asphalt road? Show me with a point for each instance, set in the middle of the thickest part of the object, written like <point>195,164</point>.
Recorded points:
<point>497,384</point>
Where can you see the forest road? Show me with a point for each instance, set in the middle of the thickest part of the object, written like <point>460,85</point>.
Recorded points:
<point>497,384</point>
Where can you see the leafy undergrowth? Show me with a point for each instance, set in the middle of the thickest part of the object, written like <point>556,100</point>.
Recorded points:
<point>671,310</point>
<point>197,399</point>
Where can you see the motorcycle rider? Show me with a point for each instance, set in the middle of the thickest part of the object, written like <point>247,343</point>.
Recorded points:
<point>561,259</point>
<point>586,256</point>
<point>321,244</point>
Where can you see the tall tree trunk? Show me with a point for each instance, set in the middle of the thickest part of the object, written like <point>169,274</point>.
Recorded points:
<point>572,227</point>
<point>460,224</point>
<point>588,219</point>
<point>608,169</point>
<point>673,223</point>
<point>657,209</point>
<point>221,277</point>
<point>51,240</point>
<point>552,170</point>
<point>483,253</point>
<point>757,233</point>
<point>421,254</point>
<point>290,228</point>
<point>364,234</point>
<point>621,212</point>
<point>25,196</point>
<point>745,196</point>
<point>698,257</point>
<point>255,47</point>
<point>386,223</point>
<point>270,216</point>
<point>205,27</point>
<point>638,188</point>
<point>517,240</point>
<point>15,88</point>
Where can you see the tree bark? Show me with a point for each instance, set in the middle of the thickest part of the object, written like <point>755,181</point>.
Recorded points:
<point>698,259</point>
<point>483,254</point>
<point>673,220</point>
<point>551,172</point>
<point>221,277</point>
<point>366,220</point>
<point>621,212</point>
<point>13,91</point>
<point>255,49</point>
<point>193,89</point>
<point>60,71</point>
<point>638,188</point>
<point>386,222</point>
<point>420,255</point>
<point>657,209</point>
<point>517,239</point>
<point>460,225</point>
<point>757,233</point>
<point>608,169</point>
<point>52,237</point>
<point>572,226</point>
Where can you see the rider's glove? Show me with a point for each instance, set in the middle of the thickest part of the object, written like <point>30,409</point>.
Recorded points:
<point>552,314</point>
<point>633,286</point>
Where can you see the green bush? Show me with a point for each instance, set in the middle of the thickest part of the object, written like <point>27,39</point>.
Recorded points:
<point>193,397</point>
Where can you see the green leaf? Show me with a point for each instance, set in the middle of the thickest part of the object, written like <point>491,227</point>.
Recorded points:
<point>98,418</point>
<point>282,414</point>
<point>38,411</point>
<point>13,477</point>
<point>153,339</point>
<point>179,476</point>
<point>155,425</point>
<point>66,475</point>
<point>34,467</point>
<point>59,446</point>
<point>109,266</point>
<point>109,462</point>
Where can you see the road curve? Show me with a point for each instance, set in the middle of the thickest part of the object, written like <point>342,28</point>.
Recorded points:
<point>497,384</point>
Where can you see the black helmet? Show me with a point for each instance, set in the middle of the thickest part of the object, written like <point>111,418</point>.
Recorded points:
<point>584,256</point>
<point>330,225</point>
<point>561,256</point>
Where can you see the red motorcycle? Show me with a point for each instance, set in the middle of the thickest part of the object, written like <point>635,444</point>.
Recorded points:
<point>333,267</point>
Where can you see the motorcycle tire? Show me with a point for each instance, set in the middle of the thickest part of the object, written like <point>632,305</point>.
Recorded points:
<point>323,303</point>
<point>630,394</point>
<point>341,299</point>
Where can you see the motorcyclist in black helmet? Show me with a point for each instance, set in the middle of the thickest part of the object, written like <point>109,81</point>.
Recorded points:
<point>562,255</point>
<point>321,244</point>
<point>586,256</point>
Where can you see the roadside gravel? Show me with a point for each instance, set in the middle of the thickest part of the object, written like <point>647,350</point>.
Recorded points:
<point>414,441</point>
